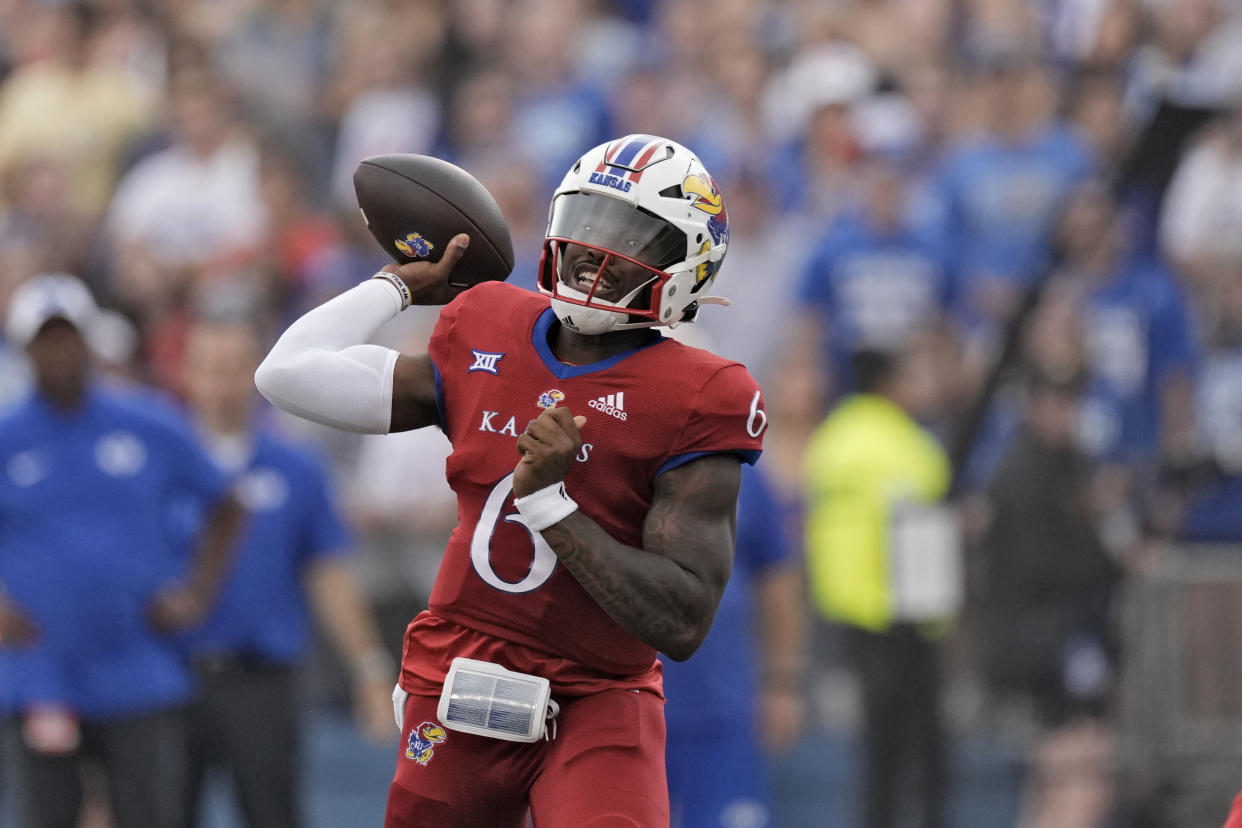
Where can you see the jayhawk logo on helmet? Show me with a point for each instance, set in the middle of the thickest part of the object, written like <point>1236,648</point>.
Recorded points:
<point>423,740</point>
<point>415,245</point>
<point>707,198</point>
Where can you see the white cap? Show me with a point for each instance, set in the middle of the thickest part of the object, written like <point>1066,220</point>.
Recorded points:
<point>49,296</point>
<point>830,74</point>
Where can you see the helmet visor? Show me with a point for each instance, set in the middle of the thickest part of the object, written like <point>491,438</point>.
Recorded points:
<point>612,224</point>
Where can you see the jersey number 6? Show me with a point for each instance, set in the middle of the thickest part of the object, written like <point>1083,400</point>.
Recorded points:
<point>541,565</point>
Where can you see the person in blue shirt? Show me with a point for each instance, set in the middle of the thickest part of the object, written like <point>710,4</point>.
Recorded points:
<point>872,280</point>
<point>291,562</point>
<point>997,194</point>
<point>1210,498</point>
<point>739,697</point>
<point>1140,343</point>
<point>92,584</point>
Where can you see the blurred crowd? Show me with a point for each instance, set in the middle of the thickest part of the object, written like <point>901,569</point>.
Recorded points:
<point>1039,200</point>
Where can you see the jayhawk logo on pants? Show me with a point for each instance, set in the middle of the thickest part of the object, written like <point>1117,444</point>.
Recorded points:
<point>423,740</point>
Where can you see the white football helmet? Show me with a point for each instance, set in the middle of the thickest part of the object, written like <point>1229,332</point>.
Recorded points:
<point>650,202</point>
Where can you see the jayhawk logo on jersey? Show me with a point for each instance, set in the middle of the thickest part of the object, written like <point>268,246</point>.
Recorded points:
<point>423,740</point>
<point>415,245</point>
<point>549,399</point>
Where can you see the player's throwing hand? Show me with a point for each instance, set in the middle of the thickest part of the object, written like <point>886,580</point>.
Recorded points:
<point>428,281</point>
<point>549,444</point>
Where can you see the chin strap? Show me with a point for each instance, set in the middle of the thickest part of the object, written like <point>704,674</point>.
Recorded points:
<point>715,300</point>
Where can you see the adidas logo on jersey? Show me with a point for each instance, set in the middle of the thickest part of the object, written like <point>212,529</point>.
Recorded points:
<point>612,404</point>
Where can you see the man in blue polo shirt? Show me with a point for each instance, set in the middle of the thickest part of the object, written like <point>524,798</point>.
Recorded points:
<point>91,585</point>
<point>872,280</point>
<point>290,561</point>
<point>740,695</point>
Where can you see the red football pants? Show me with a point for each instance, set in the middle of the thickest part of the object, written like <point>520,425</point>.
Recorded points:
<point>604,769</point>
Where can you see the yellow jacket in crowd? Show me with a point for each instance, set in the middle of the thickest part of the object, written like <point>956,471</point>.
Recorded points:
<point>867,459</point>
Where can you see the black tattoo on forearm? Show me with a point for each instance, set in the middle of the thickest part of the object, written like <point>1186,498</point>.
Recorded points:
<point>666,593</point>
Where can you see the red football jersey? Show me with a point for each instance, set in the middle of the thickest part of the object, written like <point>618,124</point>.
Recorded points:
<point>648,410</point>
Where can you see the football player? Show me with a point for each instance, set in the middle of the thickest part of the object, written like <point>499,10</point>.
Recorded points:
<point>597,466</point>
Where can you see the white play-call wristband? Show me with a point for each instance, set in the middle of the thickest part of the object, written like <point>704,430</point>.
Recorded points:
<point>542,508</point>
<point>399,283</point>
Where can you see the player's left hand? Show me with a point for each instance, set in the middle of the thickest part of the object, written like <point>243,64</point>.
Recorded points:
<point>16,628</point>
<point>373,713</point>
<point>781,713</point>
<point>176,608</point>
<point>548,446</point>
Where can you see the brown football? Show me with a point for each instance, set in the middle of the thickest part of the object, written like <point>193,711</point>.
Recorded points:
<point>415,204</point>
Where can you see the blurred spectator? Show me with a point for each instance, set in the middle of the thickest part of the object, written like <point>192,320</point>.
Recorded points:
<point>206,23</point>
<point>330,268</point>
<point>807,111</point>
<point>1182,75</point>
<point>517,190</point>
<point>1094,110</point>
<point>875,481</point>
<point>276,57</point>
<point>931,92</point>
<point>1047,629</point>
<point>998,193</point>
<point>759,278</point>
<point>290,562</point>
<point>92,584</point>
<point>835,73</point>
<point>193,210</point>
<point>1201,220</point>
<point>476,31</point>
<point>729,133</point>
<point>1192,58</point>
<point>61,109</point>
<point>480,122</point>
<point>743,687</point>
<point>128,40</point>
<point>898,35</point>
<point>1140,347</point>
<point>997,27</point>
<point>185,216</point>
<point>1097,33</point>
<point>553,109</point>
<point>298,232</point>
<point>1052,340</point>
<point>1213,492</point>
<point>387,105</point>
<point>41,214</point>
<point>872,281</point>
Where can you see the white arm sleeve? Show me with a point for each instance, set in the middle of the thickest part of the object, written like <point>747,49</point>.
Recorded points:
<point>321,370</point>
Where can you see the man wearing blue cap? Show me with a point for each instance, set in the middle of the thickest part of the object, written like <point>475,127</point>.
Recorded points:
<point>91,584</point>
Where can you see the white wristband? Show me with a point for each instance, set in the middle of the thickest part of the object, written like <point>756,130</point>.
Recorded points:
<point>549,505</point>
<point>397,282</point>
